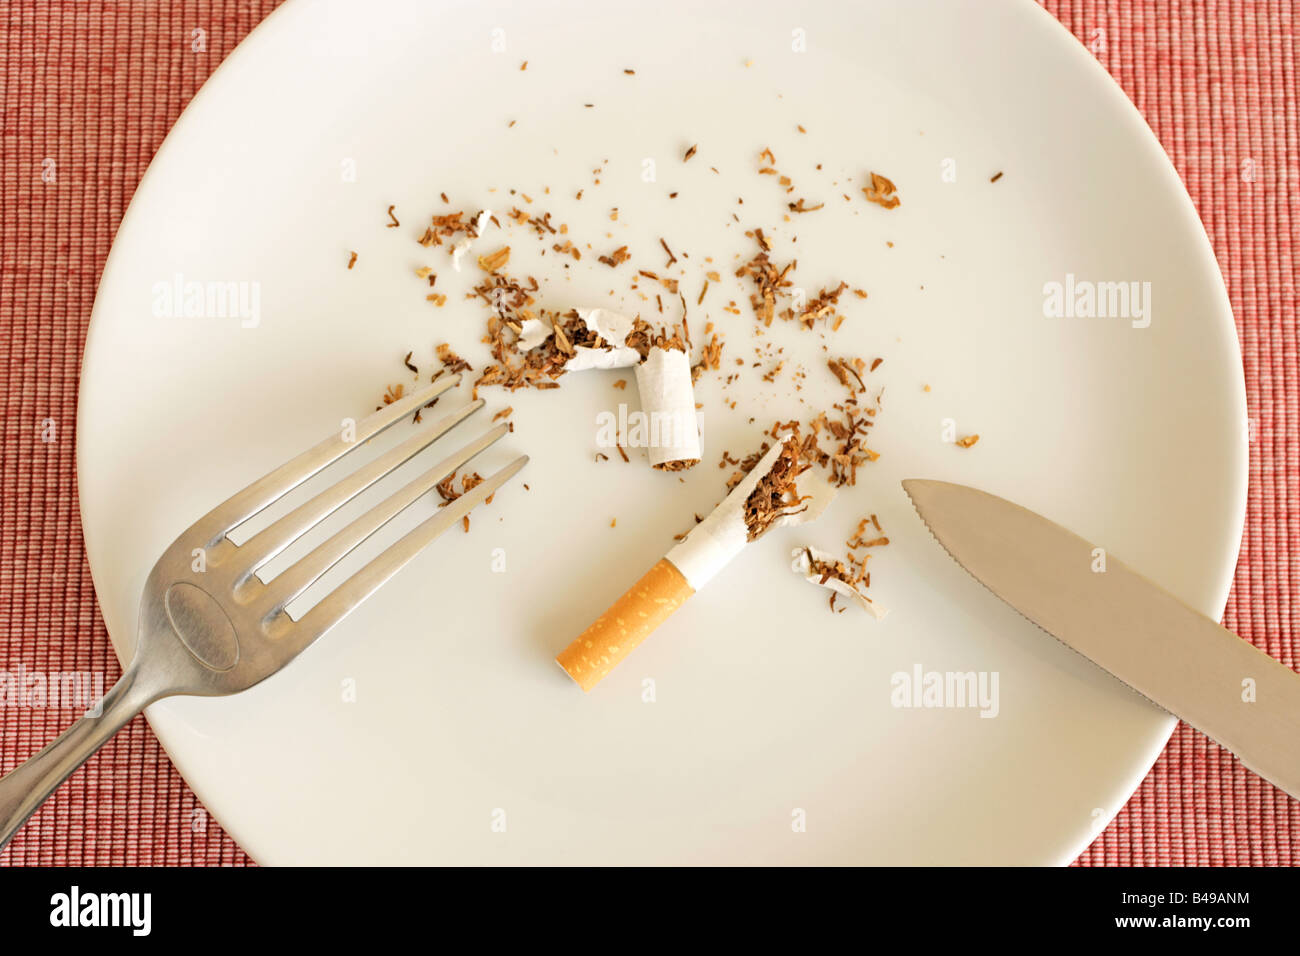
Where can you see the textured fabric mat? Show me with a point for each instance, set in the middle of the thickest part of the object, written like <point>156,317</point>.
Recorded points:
<point>90,88</point>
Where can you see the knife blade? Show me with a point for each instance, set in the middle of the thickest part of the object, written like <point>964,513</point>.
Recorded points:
<point>1141,634</point>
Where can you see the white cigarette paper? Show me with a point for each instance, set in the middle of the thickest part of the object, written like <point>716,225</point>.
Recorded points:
<point>532,333</point>
<point>614,328</point>
<point>668,401</point>
<point>717,539</point>
<point>802,564</point>
<point>611,326</point>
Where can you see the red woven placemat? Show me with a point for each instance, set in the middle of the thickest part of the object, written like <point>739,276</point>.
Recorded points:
<point>89,89</point>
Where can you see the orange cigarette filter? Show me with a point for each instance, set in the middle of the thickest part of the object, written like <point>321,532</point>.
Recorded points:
<point>645,605</point>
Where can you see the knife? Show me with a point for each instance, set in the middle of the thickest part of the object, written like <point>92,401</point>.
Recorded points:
<point>1182,661</point>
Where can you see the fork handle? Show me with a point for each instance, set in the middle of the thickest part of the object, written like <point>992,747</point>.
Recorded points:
<point>29,784</point>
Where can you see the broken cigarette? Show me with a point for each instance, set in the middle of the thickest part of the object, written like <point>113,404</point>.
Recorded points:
<point>605,339</point>
<point>766,498</point>
<point>668,401</point>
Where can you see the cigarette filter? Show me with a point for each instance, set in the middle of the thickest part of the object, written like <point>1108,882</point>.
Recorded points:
<point>613,635</point>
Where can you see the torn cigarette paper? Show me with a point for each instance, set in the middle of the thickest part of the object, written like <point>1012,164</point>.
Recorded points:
<point>668,401</point>
<point>532,333</point>
<point>717,539</point>
<point>804,560</point>
<point>613,328</point>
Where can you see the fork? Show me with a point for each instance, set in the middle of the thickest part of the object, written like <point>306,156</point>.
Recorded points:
<point>210,627</point>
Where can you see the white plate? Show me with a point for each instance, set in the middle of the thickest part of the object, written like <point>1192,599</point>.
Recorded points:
<point>766,704</point>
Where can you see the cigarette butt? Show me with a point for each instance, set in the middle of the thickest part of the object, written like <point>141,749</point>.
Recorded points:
<point>644,606</point>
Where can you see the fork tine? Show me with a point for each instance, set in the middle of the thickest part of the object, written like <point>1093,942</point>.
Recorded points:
<point>274,538</point>
<point>212,527</point>
<point>347,596</point>
<point>288,585</point>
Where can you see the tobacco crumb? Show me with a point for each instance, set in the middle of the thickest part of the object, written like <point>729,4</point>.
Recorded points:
<point>775,495</point>
<point>616,258</point>
<point>881,192</point>
<point>852,568</point>
<point>495,261</point>
<point>967,441</point>
<point>682,464</point>
<point>996,176</point>
<point>392,223</point>
<point>447,491</point>
<point>690,152</point>
<point>451,362</point>
<point>671,258</point>
<point>352,260</point>
<point>445,227</point>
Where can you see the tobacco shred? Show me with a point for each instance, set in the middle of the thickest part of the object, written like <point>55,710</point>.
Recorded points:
<point>495,261</point>
<point>852,568</point>
<point>447,491</point>
<point>682,464</point>
<point>881,192</point>
<point>775,496</point>
<point>449,226</point>
<point>616,258</point>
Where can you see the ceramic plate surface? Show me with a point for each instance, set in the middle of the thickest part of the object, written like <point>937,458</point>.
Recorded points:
<point>435,714</point>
